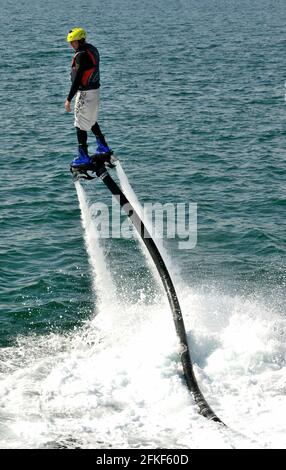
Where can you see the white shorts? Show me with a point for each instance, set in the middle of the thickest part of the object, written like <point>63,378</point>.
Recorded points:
<point>86,109</point>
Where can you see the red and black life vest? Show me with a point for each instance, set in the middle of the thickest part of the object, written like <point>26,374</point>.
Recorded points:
<point>91,77</point>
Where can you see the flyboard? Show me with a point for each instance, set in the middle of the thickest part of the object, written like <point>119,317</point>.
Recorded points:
<point>98,168</point>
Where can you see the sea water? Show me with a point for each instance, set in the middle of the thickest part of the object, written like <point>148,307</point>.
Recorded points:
<point>193,103</point>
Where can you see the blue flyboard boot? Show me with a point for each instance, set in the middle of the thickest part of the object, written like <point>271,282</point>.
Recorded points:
<point>81,160</point>
<point>103,154</point>
<point>101,148</point>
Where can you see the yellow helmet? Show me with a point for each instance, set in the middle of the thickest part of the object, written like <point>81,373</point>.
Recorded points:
<point>76,34</point>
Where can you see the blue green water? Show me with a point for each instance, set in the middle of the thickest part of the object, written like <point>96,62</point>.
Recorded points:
<point>192,101</point>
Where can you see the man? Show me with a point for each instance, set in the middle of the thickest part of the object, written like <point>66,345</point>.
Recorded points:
<point>85,78</point>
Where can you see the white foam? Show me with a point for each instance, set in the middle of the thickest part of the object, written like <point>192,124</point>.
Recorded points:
<point>119,383</point>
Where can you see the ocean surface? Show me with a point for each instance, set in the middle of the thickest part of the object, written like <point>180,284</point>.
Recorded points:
<point>193,104</point>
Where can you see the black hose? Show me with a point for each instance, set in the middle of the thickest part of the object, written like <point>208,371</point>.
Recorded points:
<point>192,384</point>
